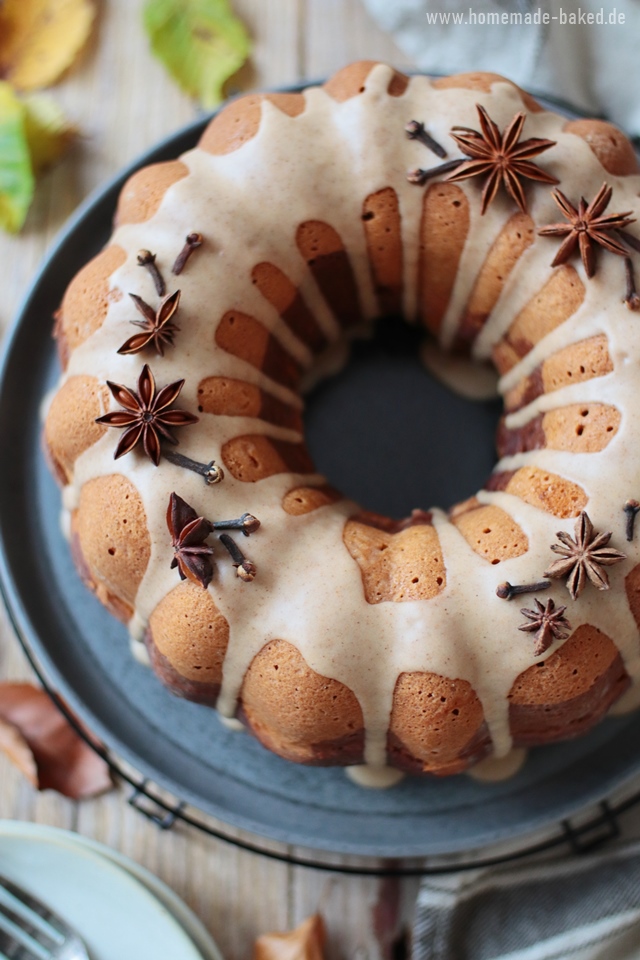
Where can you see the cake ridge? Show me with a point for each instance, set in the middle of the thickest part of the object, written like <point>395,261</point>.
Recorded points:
<point>255,201</point>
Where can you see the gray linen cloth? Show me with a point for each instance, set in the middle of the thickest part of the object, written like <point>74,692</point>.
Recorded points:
<point>594,66</point>
<point>583,908</point>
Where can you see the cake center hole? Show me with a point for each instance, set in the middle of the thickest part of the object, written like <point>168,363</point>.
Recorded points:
<point>389,435</point>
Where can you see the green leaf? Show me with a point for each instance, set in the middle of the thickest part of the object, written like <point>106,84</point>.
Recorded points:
<point>16,175</point>
<point>48,131</point>
<point>201,42</point>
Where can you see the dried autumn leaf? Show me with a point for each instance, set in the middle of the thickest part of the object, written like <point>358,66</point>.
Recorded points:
<point>16,175</point>
<point>201,42</point>
<point>306,942</point>
<point>61,759</point>
<point>40,39</point>
<point>33,135</point>
<point>16,748</point>
<point>49,133</point>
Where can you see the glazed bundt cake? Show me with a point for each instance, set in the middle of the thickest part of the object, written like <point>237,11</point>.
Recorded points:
<point>338,636</point>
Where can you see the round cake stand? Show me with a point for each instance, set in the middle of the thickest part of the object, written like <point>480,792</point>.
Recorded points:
<point>178,761</point>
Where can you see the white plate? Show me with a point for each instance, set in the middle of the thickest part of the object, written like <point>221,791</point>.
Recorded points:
<point>177,907</point>
<point>118,916</point>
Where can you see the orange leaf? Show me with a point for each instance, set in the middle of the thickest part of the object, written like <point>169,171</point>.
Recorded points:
<point>40,39</point>
<point>61,758</point>
<point>306,942</point>
<point>16,748</point>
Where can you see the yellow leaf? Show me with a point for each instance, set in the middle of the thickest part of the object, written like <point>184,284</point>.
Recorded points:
<point>40,39</point>
<point>306,942</point>
<point>48,131</point>
<point>16,176</point>
<point>201,42</point>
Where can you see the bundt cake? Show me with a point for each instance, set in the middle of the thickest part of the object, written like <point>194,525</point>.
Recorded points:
<point>338,636</point>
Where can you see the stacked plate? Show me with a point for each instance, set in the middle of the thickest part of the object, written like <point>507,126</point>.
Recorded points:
<point>117,907</point>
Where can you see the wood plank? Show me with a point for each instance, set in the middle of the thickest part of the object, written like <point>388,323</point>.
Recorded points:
<point>339,31</point>
<point>275,27</point>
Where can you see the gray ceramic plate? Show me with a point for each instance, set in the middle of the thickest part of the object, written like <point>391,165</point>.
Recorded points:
<point>84,653</point>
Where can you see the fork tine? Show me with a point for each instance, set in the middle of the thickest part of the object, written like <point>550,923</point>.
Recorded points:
<point>23,923</point>
<point>38,907</point>
<point>13,949</point>
<point>50,934</point>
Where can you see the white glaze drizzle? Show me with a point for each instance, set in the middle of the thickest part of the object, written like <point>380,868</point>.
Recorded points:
<point>494,769</point>
<point>248,205</point>
<point>465,377</point>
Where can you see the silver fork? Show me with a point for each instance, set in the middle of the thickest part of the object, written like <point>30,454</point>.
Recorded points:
<point>29,930</point>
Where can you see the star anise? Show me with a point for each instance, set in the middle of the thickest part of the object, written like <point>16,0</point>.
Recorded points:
<point>587,228</point>
<point>157,325</point>
<point>192,555</point>
<point>548,623</point>
<point>146,416</point>
<point>501,157</point>
<point>583,558</point>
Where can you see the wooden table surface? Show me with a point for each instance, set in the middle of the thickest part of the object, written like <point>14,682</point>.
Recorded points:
<point>123,101</point>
